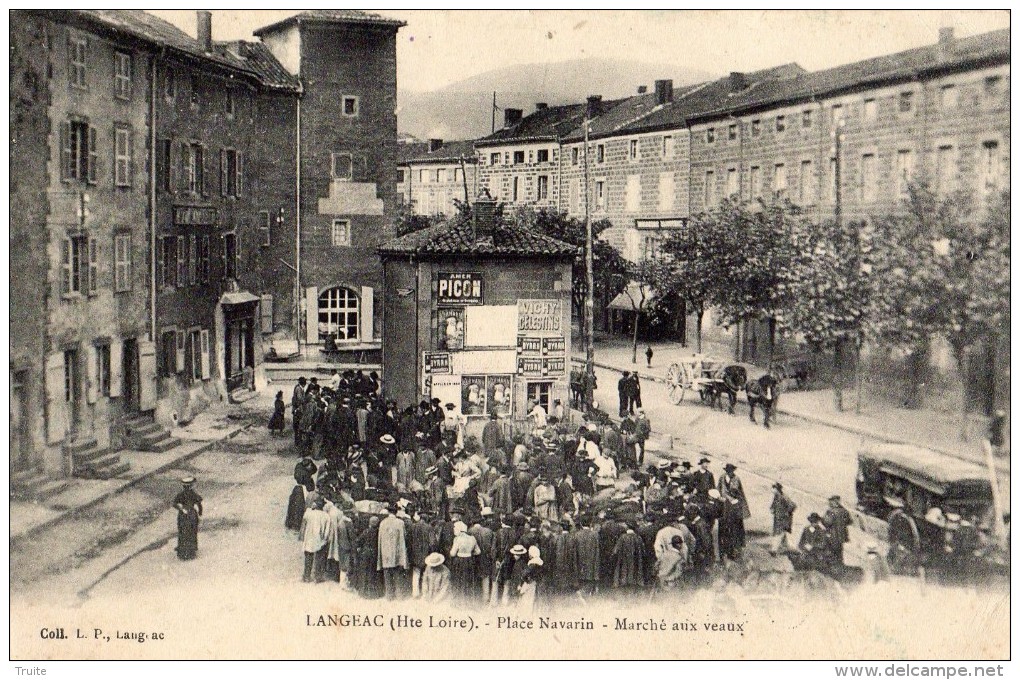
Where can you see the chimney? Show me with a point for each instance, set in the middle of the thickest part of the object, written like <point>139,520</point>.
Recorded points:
<point>663,91</point>
<point>435,145</point>
<point>541,106</point>
<point>594,105</point>
<point>512,117</point>
<point>946,35</point>
<point>642,89</point>
<point>738,81</point>
<point>204,29</point>
<point>484,212</point>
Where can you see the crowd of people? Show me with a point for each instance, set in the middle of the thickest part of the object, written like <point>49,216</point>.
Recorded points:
<point>400,503</point>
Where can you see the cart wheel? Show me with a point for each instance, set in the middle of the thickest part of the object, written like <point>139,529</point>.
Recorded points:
<point>674,384</point>
<point>904,544</point>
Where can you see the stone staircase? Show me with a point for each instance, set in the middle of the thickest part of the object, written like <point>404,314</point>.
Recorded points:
<point>143,433</point>
<point>33,485</point>
<point>89,461</point>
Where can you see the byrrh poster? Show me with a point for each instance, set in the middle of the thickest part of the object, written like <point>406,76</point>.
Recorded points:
<point>797,450</point>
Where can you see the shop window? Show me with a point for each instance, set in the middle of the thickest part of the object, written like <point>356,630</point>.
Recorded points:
<point>338,314</point>
<point>538,393</point>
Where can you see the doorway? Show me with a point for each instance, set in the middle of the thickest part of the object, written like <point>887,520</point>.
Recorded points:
<point>129,369</point>
<point>21,443</point>
<point>72,388</point>
<point>239,348</point>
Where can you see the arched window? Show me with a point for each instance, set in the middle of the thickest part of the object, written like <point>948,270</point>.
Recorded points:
<point>338,314</point>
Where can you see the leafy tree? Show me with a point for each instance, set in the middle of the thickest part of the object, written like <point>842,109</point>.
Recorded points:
<point>610,268</point>
<point>942,268</point>
<point>408,221</point>
<point>735,258</point>
<point>828,292</point>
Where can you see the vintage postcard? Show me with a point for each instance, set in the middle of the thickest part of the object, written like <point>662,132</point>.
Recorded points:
<point>356,334</point>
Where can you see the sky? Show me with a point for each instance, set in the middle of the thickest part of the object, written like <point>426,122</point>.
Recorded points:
<point>440,47</point>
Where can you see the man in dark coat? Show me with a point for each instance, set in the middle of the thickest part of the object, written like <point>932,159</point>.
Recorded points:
<point>566,562</point>
<point>609,533</point>
<point>838,520</point>
<point>634,392</point>
<point>297,401</point>
<point>702,479</point>
<point>815,546</point>
<point>623,391</point>
<point>189,510</point>
<point>782,519</point>
<point>492,434</point>
<point>628,561</point>
<point>587,542</point>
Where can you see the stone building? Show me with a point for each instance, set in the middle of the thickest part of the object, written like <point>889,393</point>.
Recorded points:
<point>432,175</point>
<point>477,314</point>
<point>89,244</point>
<point>519,164</point>
<point>938,113</point>
<point>345,61</point>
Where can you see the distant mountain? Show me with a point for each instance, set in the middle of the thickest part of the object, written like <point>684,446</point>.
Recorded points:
<point>463,110</point>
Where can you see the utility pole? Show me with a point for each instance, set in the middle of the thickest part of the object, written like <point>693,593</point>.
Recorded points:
<point>589,265</point>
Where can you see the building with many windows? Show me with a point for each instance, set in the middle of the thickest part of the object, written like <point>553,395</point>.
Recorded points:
<point>184,205</point>
<point>432,175</point>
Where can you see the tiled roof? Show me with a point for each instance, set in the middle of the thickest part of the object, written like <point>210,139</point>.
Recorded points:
<point>258,57</point>
<point>418,152</point>
<point>252,59</point>
<point>333,16</point>
<point>889,68</point>
<point>152,29</point>
<point>456,237</point>
<point>549,124</point>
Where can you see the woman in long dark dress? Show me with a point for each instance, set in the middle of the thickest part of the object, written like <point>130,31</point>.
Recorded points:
<point>189,509</point>
<point>463,564</point>
<point>277,420</point>
<point>368,580</point>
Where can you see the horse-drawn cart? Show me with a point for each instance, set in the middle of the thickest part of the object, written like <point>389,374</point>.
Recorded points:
<point>700,374</point>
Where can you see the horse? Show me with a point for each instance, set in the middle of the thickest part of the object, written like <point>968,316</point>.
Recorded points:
<point>762,391</point>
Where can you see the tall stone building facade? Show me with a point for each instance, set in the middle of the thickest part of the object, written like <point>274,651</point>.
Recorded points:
<point>345,61</point>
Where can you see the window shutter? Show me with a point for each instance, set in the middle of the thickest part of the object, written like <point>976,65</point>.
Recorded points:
<point>146,375</point>
<point>70,60</point>
<point>266,307</point>
<point>93,156</point>
<point>93,266</point>
<point>118,263</point>
<point>131,154</point>
<point>92,380</point>
<point>223,172</point>
<point>172,170</point>
<point>205,355</point>
<point>367,313</point>
<point>65,151</point>
<point>116,364</point>
<point>239,169</point>
<point>56,408</point>
<point>223,256</point>
<point>65,268</point>
<point>205,171</point>
<point>183,167</point>
<point>182,262</point>
<point>181,337</point>
<point>128,258</point>
<point>312,314</point>
<point>193,260</point>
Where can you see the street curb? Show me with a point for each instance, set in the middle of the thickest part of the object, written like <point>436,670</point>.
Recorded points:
<point>860,432</point>
<point>205,446</point>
